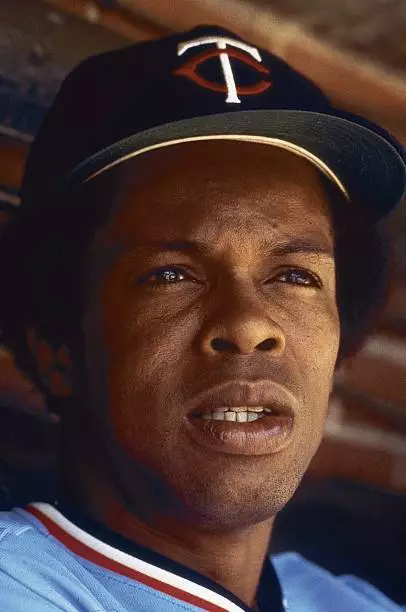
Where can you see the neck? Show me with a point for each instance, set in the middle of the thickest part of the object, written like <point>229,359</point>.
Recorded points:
<point>233,558</point>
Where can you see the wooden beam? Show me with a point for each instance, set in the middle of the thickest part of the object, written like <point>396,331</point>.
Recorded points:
<point>358,408</point>
<point>335,458</point>
<point>119,20</point>
<point>377,378</point>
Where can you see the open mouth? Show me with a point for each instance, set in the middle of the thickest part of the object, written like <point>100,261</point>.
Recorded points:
<point>242,430</point>
<point>243,418</point>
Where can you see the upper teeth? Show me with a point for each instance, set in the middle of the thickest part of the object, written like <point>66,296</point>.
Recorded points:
<point>243,409</point>
<point>241,414</point>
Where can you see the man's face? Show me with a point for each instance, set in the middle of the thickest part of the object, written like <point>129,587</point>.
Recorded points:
<point>166,322</point>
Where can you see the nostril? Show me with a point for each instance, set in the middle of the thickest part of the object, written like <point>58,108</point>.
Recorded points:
<point>220,344</point>
<point>267,345</point>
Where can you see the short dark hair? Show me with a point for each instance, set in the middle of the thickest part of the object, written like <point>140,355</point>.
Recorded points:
<point>362,257</point>
<point>43,249</point>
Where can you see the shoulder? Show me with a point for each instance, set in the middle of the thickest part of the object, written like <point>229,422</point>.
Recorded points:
<point>27,555</point>
<point>13,525</point>
<point>310,588</point>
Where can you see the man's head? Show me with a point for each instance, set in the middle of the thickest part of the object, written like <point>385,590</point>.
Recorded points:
<point>174,271</point>
<point>213,281</point>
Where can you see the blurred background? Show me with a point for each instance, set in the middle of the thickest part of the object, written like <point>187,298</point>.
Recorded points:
<point>349,514</point>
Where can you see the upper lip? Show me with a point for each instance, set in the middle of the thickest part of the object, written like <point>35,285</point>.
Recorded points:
<point>260,393</point>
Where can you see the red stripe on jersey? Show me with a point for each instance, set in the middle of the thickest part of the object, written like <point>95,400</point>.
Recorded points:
<point>98,558</point>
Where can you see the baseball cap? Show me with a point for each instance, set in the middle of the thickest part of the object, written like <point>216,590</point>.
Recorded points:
<point>205,84</point>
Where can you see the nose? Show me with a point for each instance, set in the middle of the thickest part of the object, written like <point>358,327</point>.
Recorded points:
<point>242,327</point>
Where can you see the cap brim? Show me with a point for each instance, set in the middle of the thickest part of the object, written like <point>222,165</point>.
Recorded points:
<point>363,164</point>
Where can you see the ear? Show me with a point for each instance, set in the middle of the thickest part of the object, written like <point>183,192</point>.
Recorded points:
<point>54,366</point>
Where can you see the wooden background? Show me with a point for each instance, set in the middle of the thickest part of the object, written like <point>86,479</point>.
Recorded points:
<point>356,51</point>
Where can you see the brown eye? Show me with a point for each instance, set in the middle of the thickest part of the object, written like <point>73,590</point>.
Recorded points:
<point>298,276</point>
<point>170,275</point>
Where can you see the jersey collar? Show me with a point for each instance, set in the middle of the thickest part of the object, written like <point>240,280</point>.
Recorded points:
<point>102,546</point>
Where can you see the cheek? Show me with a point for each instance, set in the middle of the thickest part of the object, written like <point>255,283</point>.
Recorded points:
<point>315,357</point>
<point>142,378</point>
<point>314,328</point>
<point>145,347</point>
<point>314,344</point>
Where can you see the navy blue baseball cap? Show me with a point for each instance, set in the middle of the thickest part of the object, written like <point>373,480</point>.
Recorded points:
<point>205,84</point>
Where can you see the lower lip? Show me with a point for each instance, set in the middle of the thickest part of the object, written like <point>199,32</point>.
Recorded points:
<point>265,436</point>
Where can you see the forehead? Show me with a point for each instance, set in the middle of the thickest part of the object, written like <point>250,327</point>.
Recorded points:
<point>215,186</point>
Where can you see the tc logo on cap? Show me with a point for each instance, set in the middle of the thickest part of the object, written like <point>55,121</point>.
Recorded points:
<point>226,48</point>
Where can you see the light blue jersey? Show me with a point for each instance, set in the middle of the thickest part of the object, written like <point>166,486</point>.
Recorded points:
<point>49,564</point>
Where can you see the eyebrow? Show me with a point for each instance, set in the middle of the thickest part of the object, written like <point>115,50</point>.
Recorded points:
<point>302,245</point>
<point>293,246</point>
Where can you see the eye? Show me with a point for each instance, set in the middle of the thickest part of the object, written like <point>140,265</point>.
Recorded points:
<point>301,277</point>
<point>169,275</point>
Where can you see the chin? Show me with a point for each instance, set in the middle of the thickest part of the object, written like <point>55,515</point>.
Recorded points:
<point>223,508</point>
